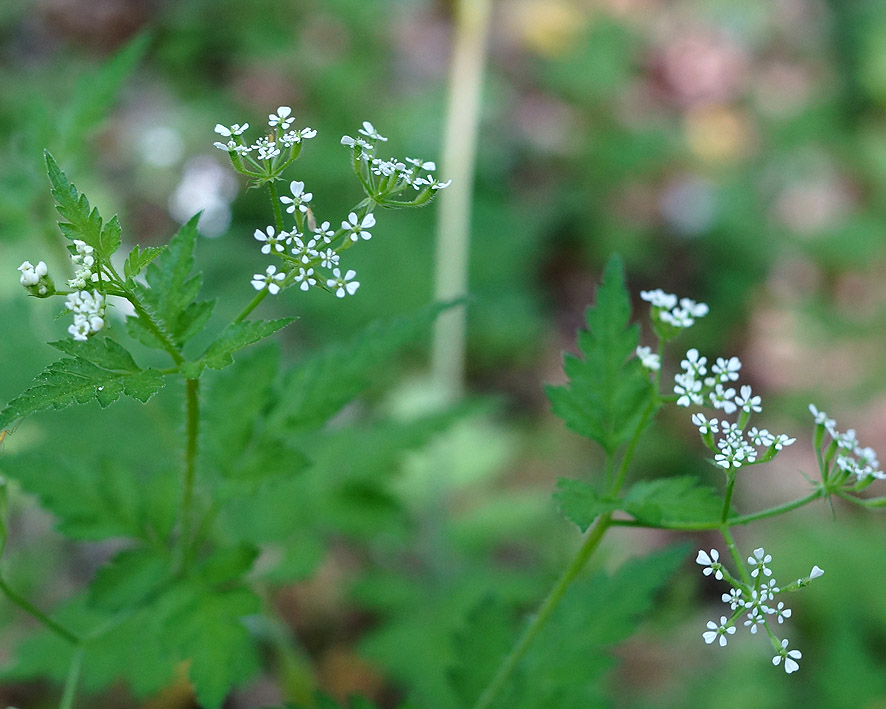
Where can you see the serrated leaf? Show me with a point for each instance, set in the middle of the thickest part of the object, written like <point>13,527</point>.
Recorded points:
<point>321,385</point>
<point>77,381</point>
<point>608,389</point>
<point>110,239</point>
<point>100,351</point>
<point>98,501</point>
<point>227,564</point>
<point>580,502</point>
<point>130,577</point>
<point>139,258</point>
<point>673,501</point>
<point>567,661</point>
<point>207,629</point>
<point>170,293</point>
<point>82,221</point>
<point>480,646</point>
<point>219,354</point>
<point>95,92</point>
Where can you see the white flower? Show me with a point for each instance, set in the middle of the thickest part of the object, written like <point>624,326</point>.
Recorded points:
<point>649,359</point>
<point>821,419</point>
<point>431,182</point>
<point>353,143</point>
<point>271,239</point>
<point>782,440</point>
<point>747,402</point>
<point>727,370</point>
<point>696,310</point>
<point>235,129</point>
<point>816,572</point>
<point>790,658</point>
<point>369,131</point>
<point>89,312</point>
<point>282,118</point>
<point>693,364</point>
<point>734,598</point>
<point>659,299</point>
<point>761,437</point>
<point>721,399</point>
<point>688,390</point>
<point>421,165</point>
<point>759,561</point>
<point>711,562</point>
<point>329,258</point>
<point>305,252</point>
<point>358,227</point>
<point>324,232</point>
<point>343,285</point>
<point>299,199</point>
<point>781,612</point>
<point>305,278</point>
<point>718,631</point>
<point>704,425</point>
<point>31,274</point>
<point>270,280</point>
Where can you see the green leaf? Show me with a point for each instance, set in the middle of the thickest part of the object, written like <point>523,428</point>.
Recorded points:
<point>98,501</point>
<point>321,385</point>
<point>139,258</point>
<point>207,629</point>
<point>673,501</point>
<point>235,337</point>
<point>608,389</point>
<point>567,661</point>
<point>100,351</point>
<point>227,564</point>
<point>77,381</point>
<point>171,292</point>
<point>581,504</point>
<point>81,221</point>
<point>480,646</point>
<point>130,577</point>
<point>95,92</point>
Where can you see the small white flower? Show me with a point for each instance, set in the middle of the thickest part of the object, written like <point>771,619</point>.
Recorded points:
<point>324,232</point>
<point>305,278</point>
<point>704,425</point>
<point>329,259</point>
<point>271,239</point>
<point>369,131</point>
<point>727,370</point>
<point>659,299</point>
<point>649,359</point>
<point>718,631</point>
<point>358,227</point>
<point>235,129</point>
<point>761,437</point>
<point>282,118</point>
<point>693,364</point>
<point>816,572</point>
<point>782,612</point>
<point>759,561</point>
<point>31,274</point>
<point>734,598</point>
<point>270,279</point>
<point>696,310</point>
<point>747,402</point>
<point>721,399</point>
<point>711,562</point>
<point>303,251</point>
<point>299,199</point>
<point>343,285</point>
<point>790,658</point>
<point>421,165</point>
<point>782,440</point>
<point>688,390</point>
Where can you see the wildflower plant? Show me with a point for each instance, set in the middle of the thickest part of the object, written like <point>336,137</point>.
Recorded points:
<point>181,584</point>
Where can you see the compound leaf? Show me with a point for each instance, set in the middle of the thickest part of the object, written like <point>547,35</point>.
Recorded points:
<point>580,503</point>
<point>608,389</point>
<point>673,501</point>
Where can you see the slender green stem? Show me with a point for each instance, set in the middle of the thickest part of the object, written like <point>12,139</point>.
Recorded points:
<point>252,305</point>
<point>454,212</point>
<point>733,552</point>
<point>590,544</point>
<point>275,203</point>
<point>732,521</point>
<point>145,317</point>
<point>73,677</point>
<point>32,610</point>
<point>629,452</point>
<point>187,506</point>
<point>727,498</point>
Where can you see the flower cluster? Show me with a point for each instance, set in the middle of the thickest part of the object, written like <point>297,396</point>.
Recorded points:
<point>36,279</point>
<point>844,456</point>
<point>754,598</point>
<point>385,179</point>
<point>737,445</point>
<point>268,156</point>
<point>89,313</point>
<point>307,246</point>
<point>673,313</point>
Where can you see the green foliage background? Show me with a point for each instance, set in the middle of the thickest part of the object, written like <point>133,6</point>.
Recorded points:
<point>731,152</point>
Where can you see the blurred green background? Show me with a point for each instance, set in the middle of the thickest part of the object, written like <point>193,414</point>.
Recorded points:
<point>732,152</point>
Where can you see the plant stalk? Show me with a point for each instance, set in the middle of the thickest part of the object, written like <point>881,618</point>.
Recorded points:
<point>454,211</point>
<point>190,472</point>
<point>32,610</point>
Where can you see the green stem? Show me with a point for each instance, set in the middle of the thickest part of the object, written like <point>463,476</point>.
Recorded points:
<point>275,203</point>
<point>454,212</point>
<point>584,553</point>
<point>733,552</point>
<point>252,305</point>
<point>187,506</point>
<point>148,321</point>
<point>73,677</point>
<point>732,521</point>
<point>32,610</point>
<point>629,452</point>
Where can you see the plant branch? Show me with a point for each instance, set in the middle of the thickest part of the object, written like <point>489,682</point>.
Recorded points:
<point>32,610</point>
<point>188,481</point>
